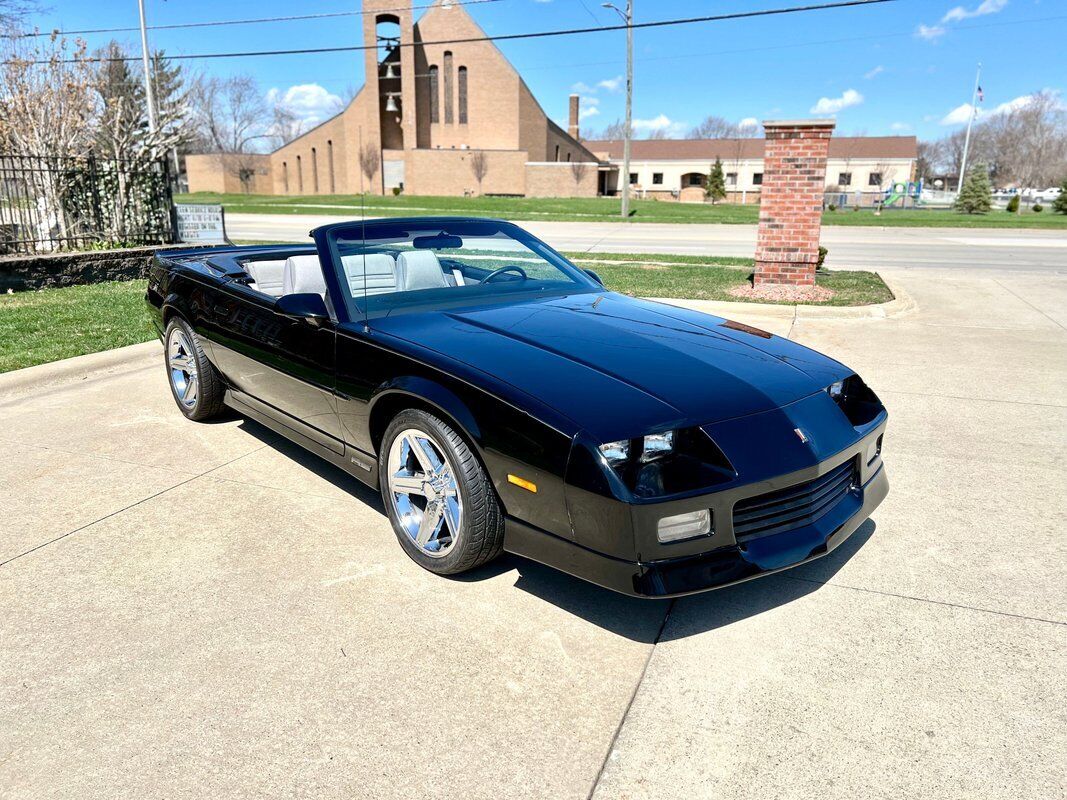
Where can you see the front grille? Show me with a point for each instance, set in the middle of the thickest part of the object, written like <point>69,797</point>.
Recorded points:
<point>794,506</point>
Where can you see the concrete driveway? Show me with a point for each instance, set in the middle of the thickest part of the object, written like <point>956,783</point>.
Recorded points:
<point>850,248</point>
<point>204,610</point>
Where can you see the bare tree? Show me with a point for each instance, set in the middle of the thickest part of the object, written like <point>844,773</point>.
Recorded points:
<point>658,133</point>
<point>1030,142</point>
<point>12,13</point>
<point>713,127</point>
<point>229,114</point>
<point>368,161</point>
<point>579,169</point>
<point>612,131</point>
<point>48,109</point>
<point>285,126</point>
<point>480,167</point>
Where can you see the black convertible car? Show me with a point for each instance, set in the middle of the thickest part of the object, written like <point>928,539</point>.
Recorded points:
<point>503,399</point>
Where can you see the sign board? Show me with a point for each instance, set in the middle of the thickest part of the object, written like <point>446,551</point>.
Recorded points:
<point>200,224</point>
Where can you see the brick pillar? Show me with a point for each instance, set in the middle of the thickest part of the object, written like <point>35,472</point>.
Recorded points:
<point>790,216</point>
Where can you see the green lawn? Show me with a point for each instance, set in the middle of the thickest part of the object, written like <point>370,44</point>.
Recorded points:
<point>602,209</point>
<point>43,326</point>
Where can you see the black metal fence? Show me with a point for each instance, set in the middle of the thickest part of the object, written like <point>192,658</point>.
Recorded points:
<point>49,203</point>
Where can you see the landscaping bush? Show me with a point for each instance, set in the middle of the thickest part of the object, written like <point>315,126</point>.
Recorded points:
<point>1037,208</point>
<point>1059,205</point>
<point>832,207</point>
<point>1013,204</point>
<point>823,252</point>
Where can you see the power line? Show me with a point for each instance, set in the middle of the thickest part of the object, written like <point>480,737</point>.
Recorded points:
<point>255,21</point>
<point>510,36</point>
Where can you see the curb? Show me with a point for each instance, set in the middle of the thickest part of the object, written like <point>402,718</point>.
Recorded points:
<point>79,368</point>
<point>901,303</point>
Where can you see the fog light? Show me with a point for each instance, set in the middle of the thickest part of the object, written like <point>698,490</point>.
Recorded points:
<point>684,526</point>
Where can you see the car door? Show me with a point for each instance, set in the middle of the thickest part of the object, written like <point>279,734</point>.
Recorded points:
<point>285,364</point>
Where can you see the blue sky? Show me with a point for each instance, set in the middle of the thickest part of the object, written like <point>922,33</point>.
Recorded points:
<point>903,67</point>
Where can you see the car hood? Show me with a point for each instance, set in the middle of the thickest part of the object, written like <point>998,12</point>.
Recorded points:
<point>621,367</point>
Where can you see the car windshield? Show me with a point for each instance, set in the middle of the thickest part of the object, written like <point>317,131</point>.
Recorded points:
<point>400,267</point>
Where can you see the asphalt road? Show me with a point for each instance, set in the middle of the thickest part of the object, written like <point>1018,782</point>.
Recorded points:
<point>203,610</point>
<point>867,248</point>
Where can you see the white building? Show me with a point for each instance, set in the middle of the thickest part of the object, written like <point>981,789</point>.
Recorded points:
<point>677,168</point>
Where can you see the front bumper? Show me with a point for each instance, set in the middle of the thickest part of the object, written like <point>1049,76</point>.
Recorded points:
<point>720,566</point>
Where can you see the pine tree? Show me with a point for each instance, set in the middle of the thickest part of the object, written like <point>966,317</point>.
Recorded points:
<point>715,188</point>
<point>976,196</point>
<point>1059,205</point>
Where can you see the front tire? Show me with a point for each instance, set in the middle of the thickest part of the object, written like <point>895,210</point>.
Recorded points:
<point>441,503</point>
<point>194,383</point>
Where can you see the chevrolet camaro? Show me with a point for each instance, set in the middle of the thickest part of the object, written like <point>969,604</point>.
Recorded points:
<point>502,398</point>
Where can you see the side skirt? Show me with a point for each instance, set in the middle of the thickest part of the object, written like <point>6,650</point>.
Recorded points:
<point>362,466</point>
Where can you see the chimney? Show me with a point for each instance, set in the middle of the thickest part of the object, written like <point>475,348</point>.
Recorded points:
<point>572,126</point>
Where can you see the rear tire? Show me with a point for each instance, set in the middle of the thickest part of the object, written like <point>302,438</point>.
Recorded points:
<point>441,503</point>
<point>194,382</point>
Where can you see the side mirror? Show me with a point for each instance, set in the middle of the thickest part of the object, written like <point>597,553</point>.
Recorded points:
<point>309,306</point>
<point>594,276</point>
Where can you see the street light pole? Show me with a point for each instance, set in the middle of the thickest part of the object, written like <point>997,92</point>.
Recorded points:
<point>149,94</point>
<point>970,120</point>
<point>628,18</point>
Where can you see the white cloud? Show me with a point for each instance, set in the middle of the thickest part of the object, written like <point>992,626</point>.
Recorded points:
<point>660,123</point>
<point>874,72</point>
<point>900,127</point>
<point>588,107</point>
<point>930,33</point>
<point>985,7</point>
<point>612,84</point>
<point>958,115</point>
<point>831,105</point>
<point>748,122</point>
<point>590,111</point>
<point>310,102</point>
<point>582,87</point>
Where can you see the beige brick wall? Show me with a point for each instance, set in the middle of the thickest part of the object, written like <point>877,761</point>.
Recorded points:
<point>231,173</point>
<point>559,180</point>
<point>313,163</point>
<point>448,172</point>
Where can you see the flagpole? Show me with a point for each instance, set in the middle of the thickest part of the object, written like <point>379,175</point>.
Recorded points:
<point>970,121</point>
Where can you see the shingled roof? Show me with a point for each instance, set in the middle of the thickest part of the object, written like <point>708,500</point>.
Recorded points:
<point>727,149</point>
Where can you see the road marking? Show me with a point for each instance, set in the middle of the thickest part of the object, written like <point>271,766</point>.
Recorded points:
<point>1007,242</point>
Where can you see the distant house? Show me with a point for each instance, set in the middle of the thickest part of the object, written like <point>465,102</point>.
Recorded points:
<point>677,168</point>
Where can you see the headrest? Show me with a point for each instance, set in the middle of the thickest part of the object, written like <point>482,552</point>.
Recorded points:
<point>371,274</point>
<point>419,269</point>
<point>303,274</point>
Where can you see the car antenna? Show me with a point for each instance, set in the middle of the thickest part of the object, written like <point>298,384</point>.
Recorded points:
<point>363,231</point>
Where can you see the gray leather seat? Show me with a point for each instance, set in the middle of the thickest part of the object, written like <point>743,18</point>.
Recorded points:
<point>266,275</point>
<point>419,269</point>
<point>376,272</point>
<point>303,275</point>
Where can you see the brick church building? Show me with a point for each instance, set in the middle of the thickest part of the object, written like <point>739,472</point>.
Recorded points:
<point>431,118</point>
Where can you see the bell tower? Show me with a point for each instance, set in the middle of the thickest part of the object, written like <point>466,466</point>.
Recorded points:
<point>389,64</point>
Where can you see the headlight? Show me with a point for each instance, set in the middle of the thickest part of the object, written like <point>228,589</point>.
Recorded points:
<point>657,444</point>
<point>644,449</point>
<point>616,452</point>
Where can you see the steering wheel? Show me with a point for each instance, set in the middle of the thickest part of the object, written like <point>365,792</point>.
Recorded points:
<point>509,268</point>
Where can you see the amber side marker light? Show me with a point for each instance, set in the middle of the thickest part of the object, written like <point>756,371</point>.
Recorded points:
<point>529,486</point>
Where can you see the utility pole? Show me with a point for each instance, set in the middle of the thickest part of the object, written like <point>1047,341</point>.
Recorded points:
<point>149,94</point>
<point>970,121</point>
<point>628,18</point>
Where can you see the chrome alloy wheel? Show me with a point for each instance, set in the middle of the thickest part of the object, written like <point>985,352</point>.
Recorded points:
<point>181,362</point>
<point>424,494</point>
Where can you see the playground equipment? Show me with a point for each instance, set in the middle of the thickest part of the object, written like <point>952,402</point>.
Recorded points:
<point>901,192</point>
